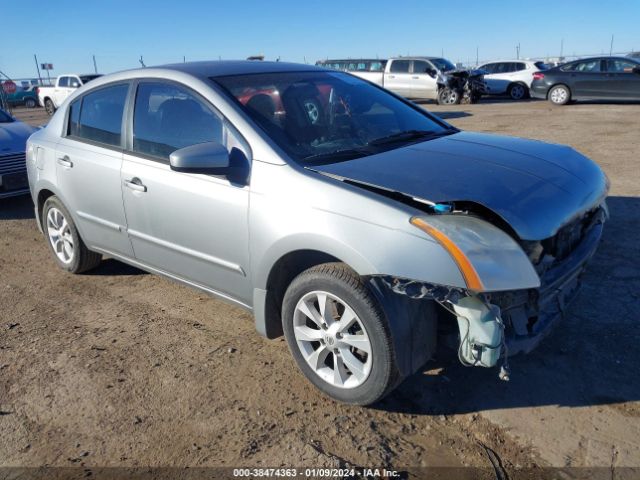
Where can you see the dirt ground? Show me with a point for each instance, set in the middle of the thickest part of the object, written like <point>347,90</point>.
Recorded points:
<point>122,368</point>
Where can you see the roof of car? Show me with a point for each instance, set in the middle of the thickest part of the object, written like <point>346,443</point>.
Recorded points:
<point>222,68</point>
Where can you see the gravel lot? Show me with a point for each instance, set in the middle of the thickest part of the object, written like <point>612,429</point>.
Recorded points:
<point>122,368</point>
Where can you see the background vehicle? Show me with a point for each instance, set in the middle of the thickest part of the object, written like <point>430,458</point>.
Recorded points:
<point>460,86</point>
<point>52,97</point>
<point>512,77</point>
<point>599,78</point>
<point>634,55</point>
<point>13,141</point>
<point>273,206</point>
<point>24,96</point>
<point>410,77</point>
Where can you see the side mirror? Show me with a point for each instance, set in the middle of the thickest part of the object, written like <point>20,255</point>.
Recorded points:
<point>209,158</point>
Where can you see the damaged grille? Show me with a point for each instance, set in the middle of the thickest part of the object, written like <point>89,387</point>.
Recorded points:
<point>560,262</point>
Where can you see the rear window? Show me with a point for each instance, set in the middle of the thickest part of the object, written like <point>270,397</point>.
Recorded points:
<point>582,66</point>
<point>541,66</point>
<point>101,115</point>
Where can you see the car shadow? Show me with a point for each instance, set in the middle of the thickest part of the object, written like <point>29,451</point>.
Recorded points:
<point>589,359</point>
<point>16,208</point>
<point>113,267</point>
<point>449,115</point>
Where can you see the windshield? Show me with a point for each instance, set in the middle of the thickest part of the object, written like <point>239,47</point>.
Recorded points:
<point>4,117</point>
<point>88,78</point>
<point>443,64</point>
<point>321,117</point>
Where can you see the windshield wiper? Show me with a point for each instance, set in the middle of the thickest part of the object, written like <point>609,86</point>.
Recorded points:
<point>408,136</point>
<point>338,155</point>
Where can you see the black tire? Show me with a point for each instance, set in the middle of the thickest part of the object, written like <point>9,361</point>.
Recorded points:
<point>339,280</point>
<point>518,91</point>
<point>447,96</point>
<point>49,107</point>
<point>82,258</point>
<point>30,103</point>
<point>556,95</point>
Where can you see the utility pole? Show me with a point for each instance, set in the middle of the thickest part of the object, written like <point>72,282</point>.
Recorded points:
<point>611,47</point>
<point>184,59</point>
<point>142,62</point>
<point>518,51</point>
<point>561,48</point>
<point>37,68</point>
<point>477,61</point>
<point>95,65</point>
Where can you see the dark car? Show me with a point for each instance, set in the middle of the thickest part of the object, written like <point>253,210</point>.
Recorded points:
<point>24,96</point>
<point>601,78</point>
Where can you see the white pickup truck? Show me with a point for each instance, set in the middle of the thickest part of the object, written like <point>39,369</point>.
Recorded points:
<point>410,77</point>
<point>52,97</point>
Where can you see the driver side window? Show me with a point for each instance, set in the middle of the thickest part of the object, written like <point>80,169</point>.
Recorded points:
<point>168,117</point>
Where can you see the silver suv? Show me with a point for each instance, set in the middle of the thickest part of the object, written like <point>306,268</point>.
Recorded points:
<point>362,227</point>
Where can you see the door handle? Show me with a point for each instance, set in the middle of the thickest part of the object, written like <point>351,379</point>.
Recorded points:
<point>135,184</point>
<point>415,78</point>
<point>392,76</point>
<point>65,162</point>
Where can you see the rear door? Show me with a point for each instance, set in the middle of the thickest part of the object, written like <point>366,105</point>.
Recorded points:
<point>423,85</point>
<point>191,226</point>
<point>623,82</point>
<point>398,78</point>
<point>89,159</point>
<point>499,77</point>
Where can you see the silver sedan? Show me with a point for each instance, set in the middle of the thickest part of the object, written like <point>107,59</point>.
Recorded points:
<point>360,226</point>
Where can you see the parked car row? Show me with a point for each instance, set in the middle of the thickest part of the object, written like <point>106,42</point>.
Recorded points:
<point>23,96</point>
<point>599,78</point>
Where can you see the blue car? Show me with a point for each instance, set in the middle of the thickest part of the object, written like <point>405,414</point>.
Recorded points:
<point>13,141</point>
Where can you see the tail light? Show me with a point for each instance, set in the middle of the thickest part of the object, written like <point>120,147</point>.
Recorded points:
<point>37,90</point>
<point>538,76</point>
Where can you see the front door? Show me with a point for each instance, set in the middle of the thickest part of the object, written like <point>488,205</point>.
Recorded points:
<point>589,80</point>
<point>398,79</point>
<point>190,226</point>
<point>88,163</point>
<point>423,80</point>
<point>623,81</point>
<point>62,90</point>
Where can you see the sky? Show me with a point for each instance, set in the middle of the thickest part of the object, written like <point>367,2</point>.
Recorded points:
<point>68,33</point>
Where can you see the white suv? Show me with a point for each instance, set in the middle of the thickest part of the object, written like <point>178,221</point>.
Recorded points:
<point>512,77</point>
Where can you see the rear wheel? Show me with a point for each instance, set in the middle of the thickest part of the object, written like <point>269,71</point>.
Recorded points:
<point>30,103</point>
<point>69,251</point>
<point>338,335</point>
<point>49,107</point>
<point>517,91</point>
<point>560,95</point>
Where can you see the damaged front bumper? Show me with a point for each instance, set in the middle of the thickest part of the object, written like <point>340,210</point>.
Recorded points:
<point>522,318</point>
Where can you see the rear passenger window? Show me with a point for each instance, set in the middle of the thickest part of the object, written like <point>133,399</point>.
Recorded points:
<point>519,66</point>
<point>168,118</point>
<point>63,82</point>
<point>100,115</point>
<point>74,118</point>
<point>400,66</point>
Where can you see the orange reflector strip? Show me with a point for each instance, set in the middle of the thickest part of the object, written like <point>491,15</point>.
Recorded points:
<point>469,273</point>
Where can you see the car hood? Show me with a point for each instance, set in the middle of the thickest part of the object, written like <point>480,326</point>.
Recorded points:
<point>534,186</point>
<point>13,137</point>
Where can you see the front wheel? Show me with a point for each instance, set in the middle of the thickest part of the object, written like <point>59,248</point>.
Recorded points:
<point>448,96</point>
<point>338,335</point>
<point>69,251</point>
<point>49,106</point>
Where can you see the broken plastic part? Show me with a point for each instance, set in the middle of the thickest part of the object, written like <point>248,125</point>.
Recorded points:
<point>442,208</point>
<point>481,332</point>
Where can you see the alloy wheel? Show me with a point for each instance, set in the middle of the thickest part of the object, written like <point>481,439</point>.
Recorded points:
<point>559,95</point>
<point>60,235</point>
<point>332,339</point>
